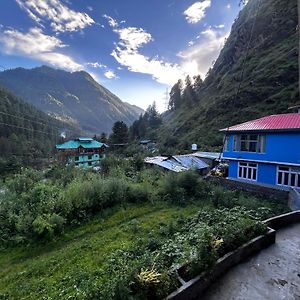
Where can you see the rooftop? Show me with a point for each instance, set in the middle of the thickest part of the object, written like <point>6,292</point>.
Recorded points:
<point>269,123</point>
<point>83,142</point>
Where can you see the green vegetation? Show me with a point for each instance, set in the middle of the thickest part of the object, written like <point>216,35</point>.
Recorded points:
<point>146,125</point>
<point>265,76</point>
<point>27,135</point>
<point>136,226</point>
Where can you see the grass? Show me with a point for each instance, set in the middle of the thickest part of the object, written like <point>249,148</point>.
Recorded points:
<point>54,270</point>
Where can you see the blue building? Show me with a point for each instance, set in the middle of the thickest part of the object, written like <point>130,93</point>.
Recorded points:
<point>265,151</point>
<point>83,152</point>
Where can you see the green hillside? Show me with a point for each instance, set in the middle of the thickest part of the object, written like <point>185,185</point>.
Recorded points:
<point>259,61</point>
<point>26,134</point>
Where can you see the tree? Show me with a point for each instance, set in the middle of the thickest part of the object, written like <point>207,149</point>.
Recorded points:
<point>175,95</point>
<point>119,133</point>
<point>103,137</point>
<point>198,82</point>
<point>188,95</point>
<point>154,119</point>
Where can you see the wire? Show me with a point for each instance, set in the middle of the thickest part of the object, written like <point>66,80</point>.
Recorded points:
<point>29,129</point>
<point>32,121</point>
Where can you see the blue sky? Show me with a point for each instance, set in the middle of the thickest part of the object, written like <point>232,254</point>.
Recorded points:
<point>135,48</point>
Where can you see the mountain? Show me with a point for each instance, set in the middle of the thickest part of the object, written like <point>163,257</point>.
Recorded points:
<point>75,98</point>
<point>256,74</point>
<point>26,134</point>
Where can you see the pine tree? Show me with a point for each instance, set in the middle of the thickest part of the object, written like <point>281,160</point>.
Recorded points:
<point>198,82</point>
<point>103,137</point>
<point>119,133</point>
<point>189,96</point>
<point>175,95</point>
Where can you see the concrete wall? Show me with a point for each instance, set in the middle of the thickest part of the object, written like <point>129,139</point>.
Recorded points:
<point>294,199</point>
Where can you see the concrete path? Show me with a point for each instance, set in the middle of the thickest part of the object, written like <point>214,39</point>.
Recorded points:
<point>273,274</point>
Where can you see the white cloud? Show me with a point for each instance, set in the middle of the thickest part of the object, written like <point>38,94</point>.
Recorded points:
<point>111,21</point>
<point>220,26</point>
<point>61,17</point>
<point>196,12</point>
<point>133,38</point>
<point>201,55</point>
<point>36,45</point>
<point>195,60</point>
<point>127,54</point>
<point>89,8</point>
<point>110,74</point>
<point>95,65</point>
<point>228,6</point>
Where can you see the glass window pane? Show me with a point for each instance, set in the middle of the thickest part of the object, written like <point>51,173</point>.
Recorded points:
<point>293,179</point>
<point>286,179</point>
<point>253,146</point>
<point>254,174</point>
<point>253,137</point>
<point>240,171</point>
<point>284,168</point>
<point>244,172</point>
<point>279,181</point>
<point>249,173</point>
<point>244,146</point>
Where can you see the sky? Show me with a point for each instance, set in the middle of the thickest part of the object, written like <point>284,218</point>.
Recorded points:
<point>138,49</point>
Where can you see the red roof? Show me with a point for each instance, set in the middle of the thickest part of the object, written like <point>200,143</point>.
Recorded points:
<point>273,122</point>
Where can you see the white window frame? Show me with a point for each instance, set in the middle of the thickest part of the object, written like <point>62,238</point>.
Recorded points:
<point>260,142</point>
<point>290,172</point>
<point>248,168</point>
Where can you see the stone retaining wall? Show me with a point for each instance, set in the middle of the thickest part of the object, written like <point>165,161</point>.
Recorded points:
<point>259,190</point>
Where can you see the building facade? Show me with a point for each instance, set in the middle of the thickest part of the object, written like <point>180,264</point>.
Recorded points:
<point>265,151</point>
<point>82,152</point>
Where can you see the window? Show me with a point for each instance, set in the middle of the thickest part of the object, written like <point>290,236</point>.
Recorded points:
<point>226,143</point>
<point>249,143</point>
<point>90,157</point>
<point>247,171</point>
<point>89,163</point>
<point>288,176</point>
<point>76,158</point>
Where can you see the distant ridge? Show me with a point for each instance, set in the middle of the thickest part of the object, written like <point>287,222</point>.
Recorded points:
<point>75,98</point>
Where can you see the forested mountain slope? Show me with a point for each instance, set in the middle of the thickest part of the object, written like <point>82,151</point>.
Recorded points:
<point>25,132</point>
<point>75,97</point>
<point>256,74</point>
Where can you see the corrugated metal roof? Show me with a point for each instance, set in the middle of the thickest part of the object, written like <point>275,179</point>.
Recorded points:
<point>210,155</point>
<point>273,122</point>
<point>166,163</point>
<point>191,162</point>
<point>177,163</point>
<point>74,144</point>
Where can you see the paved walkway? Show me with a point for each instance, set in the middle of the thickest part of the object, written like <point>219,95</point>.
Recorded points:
<point>273,274</point>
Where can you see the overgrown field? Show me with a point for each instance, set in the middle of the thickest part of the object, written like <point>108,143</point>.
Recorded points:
<point>69,234</point>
